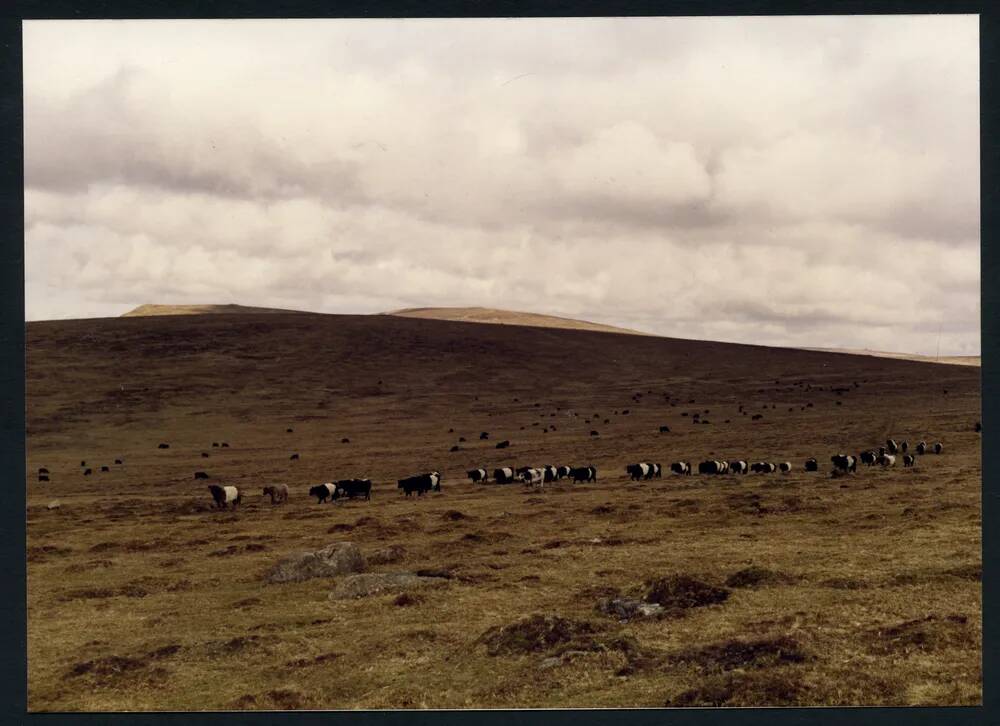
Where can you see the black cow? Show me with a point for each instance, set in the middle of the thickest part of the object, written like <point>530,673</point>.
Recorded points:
<point>763,467</point>
<point>461,439</point>
<point>978,427</point>
<point>43,470</point>
<point>503,444</point>
<point>549,473</point>
<point>594,433</point>
<point>225,445</point>
<point>483,436</point>
<point>118,461</point>
<point>757,417</point>
<point>83,463</point>
<point>844,462</point>
<point>454,448</point>
<point>420,483</point>
<point>215,444</point>
<point>639,471</point>
<point>891,446</point>
<point>785,466</point>
<point>200,475</point>
<point>223,496</point>
<point>922,448</point>
<point>293,457</point>
<point>680,467</point>
<point>738,467</point>
<point>87,472</point>
<point>904,446</point>
<point>909,459</point>
<point>583,473</point>
<point>477,475</point>
<point>868,457</point>
<point>204,455</point>
<point>938,448</point>
<point>562,472</point>
<point>43,477</point>
<point>322,492</point>
<point>288,431</point>
<point>664,429</point>
<point>163,446</point>
<point>345,440</point>
<point>353,488</point>
<point>811,465</point>
<point>504,475</point>
<point>713,467</point>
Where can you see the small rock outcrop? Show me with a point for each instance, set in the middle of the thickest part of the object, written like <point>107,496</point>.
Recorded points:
<point>373,583</point>
<point>336,559</point>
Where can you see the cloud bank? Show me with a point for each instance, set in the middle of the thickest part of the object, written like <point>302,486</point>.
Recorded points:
<point>788,181</point>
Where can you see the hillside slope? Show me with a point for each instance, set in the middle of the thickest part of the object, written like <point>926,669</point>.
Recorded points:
<point>150,310</point>
<point>496,316</point>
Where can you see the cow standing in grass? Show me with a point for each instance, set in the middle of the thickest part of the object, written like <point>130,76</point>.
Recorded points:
<point>322,492</point>
<point>223,496</point>
<point>277,492</point>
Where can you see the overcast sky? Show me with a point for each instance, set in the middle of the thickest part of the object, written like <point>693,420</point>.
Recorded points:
<point>786,181</point>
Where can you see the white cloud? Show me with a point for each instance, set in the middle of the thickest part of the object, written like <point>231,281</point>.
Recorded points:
<point>798,181</point>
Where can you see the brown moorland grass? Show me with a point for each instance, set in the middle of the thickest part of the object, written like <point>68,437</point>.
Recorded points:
<point>863,589</point>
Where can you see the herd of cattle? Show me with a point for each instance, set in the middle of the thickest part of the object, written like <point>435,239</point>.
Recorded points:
<point>224,496</point>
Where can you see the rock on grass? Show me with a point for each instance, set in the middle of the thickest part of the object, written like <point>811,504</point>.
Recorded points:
<point>335,559</point>
<point>367,584</point>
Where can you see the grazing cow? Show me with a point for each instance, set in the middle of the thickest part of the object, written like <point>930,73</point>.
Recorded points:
<point>891,446</point>
<point>43,470</point>
<point>562,472</point>
<point>551,473</point>
<point>664,429</point>
<point>87,472</point>
<point>483,436</point>
<point>345,440</point>
<point>278,493</point>
<point>461,439</point>
<point>288,431</point>
<point>904,446</point>
<point>868,457</point>
<point>163,446</point>
<point>757,417</point>
<point>223,496</point>
<point>503,444</point>
<point>293,457</point>
<point>844,462</point>
<point>118,461</point>
<point>594,433</point>
<point>909,459</point>
<point>504,475</point>
<point>476,475</point>
<point>978,427</point>
<point>922,448</point>
<point>322,492</point>
<point>738,467</point>
<point>638,471</point>
<point>763,467</point>
<point>454,448</point>
<point>657,471</point>
<point>353,488</point>
<point>43,477</point>
<point>83,463</point>
<point>681,467</point>
<point>533,477</point>
<point>712,467</point>
<point>215,444</point>
<point>887,460</point>
<point>811,465</point>
<point>204,455</point>
<point>938,448</point>
<point>785,467</point>
<point>583,473</point>
<point>200,475</point>
<point>420,483</point>
<point>881,451</point>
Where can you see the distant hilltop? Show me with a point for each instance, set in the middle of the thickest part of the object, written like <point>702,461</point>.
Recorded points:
<point>493,316</point>
<point>149,310</point>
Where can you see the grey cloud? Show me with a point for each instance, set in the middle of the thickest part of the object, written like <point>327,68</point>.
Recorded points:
<point>800,181</point>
